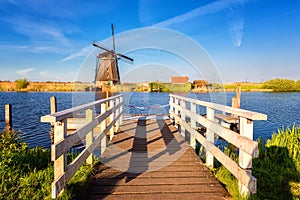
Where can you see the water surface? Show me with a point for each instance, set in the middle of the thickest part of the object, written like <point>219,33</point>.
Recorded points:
<point>282,109</point>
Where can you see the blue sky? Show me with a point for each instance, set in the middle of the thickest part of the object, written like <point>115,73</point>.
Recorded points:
<point>247,40</point>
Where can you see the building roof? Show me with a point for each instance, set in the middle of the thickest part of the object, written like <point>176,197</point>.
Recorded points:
<point>179,79</point>
<point>200,82</point>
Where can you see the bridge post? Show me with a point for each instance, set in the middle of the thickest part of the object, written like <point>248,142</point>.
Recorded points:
<point>53,109</point>
<point>102,128</point>
<point>177,102</point>
<point>121,110</point>
<point>210,113</point>
<point>116,114</point>
<point>8,117</point>
<point>182,113</point>
<point>193,125</point>
<point>89,136</point>
<point>60,164</point>
<point>245,160</point>
<point>53,105</point>
<point>171,101</point>
<point>111,119</point>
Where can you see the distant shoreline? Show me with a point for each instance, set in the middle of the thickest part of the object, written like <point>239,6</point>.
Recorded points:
<point>48,86</point>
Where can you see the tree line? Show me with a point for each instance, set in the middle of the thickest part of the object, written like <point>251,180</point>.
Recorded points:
<point>282,85</point>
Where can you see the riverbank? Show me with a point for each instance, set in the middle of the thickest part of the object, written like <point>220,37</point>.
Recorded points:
<point>8,86</point>
<point>274,85</point>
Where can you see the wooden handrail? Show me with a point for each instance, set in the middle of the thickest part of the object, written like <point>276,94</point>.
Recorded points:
<point>68,113</point>
<point>244,140</point>
<point>63,141</point>
<point>235,111</point>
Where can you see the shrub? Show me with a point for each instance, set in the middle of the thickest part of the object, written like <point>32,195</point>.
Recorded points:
<point>297,85</point>
<point>280,85</point>
<point>24,172</point>
<point>21,83</point>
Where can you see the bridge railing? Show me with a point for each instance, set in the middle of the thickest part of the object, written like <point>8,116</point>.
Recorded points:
<point>183,112</point>
<point>93,132</point>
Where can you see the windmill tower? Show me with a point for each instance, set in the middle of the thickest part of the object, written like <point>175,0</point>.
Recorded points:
<point>107,70</point>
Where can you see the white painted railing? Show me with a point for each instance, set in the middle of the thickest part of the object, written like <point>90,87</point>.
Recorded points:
<point>93,132</point>
<point>188,119</point>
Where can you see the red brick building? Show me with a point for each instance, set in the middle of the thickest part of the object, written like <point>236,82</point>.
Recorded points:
<point>179,79</point>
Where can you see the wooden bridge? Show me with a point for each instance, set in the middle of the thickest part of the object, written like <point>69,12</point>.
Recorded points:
<point>153,157</point>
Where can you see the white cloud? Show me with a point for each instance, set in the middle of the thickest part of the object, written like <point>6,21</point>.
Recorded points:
<point>41,35</point>
<point>35,48</point>
<point>211,8</point>
<point>235,19</point>
<point>46,75</point>
<point>40,31</point>
<point>24,72</point>
<point>236,32</point>
<point>82,52</point>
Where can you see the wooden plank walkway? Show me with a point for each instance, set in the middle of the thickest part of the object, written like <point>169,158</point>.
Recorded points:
<point>149,159</point>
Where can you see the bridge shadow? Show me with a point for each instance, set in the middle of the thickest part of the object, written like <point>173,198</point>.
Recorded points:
<point>133,155</point>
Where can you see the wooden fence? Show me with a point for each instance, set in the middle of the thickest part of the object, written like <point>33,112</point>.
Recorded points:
<point>101,117</point>
<point>183,112</point>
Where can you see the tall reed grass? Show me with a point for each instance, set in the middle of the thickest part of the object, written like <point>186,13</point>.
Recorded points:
<point>277,168</point>
<point>27,173</point>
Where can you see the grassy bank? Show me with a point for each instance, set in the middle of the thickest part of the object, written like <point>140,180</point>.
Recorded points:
<point>27,173</point>
<point>273,85</point>
<point>246,87</point>
<point>169,87</point>
<point>277,169</point>
<point>8,86</point>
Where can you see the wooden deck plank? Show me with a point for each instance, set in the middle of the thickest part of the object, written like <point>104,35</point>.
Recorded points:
<point>149,159</point>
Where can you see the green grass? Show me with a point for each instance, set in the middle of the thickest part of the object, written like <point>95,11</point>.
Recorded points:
<point>277,169</point>
<point>169,87</point>
<point>246,87</point>
<point>78,185</point>
<point>27,173</point>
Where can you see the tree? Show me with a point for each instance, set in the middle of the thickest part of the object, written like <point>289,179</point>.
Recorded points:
<point>280,85</point>
<point>297,85</point>
<point>21,83</point>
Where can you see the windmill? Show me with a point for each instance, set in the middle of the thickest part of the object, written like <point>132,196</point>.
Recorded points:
<point>108,71</point>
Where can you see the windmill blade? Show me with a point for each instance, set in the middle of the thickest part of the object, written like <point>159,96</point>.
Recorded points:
<point>126,57</point>
<point>95,44</point>
<point>113,36</point>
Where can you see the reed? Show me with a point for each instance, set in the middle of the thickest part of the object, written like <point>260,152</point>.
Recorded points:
<point>27,173</point>
<point>277,168</point>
